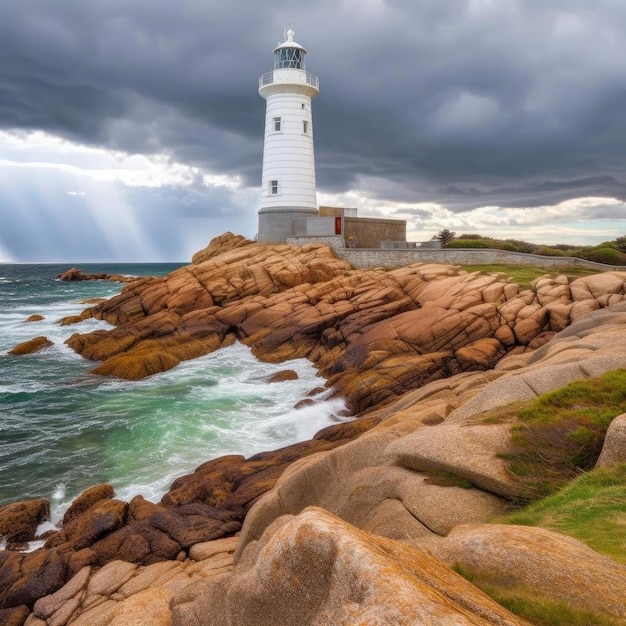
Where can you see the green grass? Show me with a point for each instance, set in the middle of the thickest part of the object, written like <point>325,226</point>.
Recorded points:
<point>560,434</point>
<point>447,479</point>
<point>526,603</point>
<point>557,439</point>
<point>591,509</point>
<point>525,274</point>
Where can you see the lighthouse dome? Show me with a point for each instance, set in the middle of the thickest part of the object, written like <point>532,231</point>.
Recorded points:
<point>289,54</point>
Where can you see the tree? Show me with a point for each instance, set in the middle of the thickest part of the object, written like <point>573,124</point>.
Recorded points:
<point>445,237</point>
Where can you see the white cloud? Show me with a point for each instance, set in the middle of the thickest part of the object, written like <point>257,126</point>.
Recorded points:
<point>581,221</point>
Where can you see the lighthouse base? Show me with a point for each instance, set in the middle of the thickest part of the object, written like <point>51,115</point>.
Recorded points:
<point>276,225</point>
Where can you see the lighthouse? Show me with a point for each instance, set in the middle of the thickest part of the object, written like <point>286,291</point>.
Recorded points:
<point>288,193</point>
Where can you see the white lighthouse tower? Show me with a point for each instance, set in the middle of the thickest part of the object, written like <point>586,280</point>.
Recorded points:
<point>288,181</point>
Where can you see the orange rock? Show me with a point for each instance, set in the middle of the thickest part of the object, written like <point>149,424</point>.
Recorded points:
<point>317,569</point>
<point>33,345</point>
<point>86,500</point>
<point>19,520</point>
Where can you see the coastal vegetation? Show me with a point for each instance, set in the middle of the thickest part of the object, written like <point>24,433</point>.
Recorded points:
<point>559,435</point>
<point>557,440</point>
<point>523,602</point>
<point>590,509</point>
<point>608,252</point>
<point>524,275</point>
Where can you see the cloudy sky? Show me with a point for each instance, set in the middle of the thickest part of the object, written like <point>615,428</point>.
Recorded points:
<point>132,130</point>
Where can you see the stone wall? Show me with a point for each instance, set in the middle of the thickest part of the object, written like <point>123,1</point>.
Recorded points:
<point>368,232</point>
<point>369,258</point>
<point>335,242</point>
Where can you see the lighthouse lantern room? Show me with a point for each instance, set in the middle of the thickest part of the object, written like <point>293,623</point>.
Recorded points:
<point>288,192</point>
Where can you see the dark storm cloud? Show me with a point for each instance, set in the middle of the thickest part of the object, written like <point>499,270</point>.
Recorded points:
<point>461,102</point>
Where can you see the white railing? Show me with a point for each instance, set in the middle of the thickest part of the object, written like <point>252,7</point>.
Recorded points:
<point>309,79</point>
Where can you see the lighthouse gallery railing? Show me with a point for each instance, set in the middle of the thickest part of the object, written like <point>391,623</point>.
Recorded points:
<point>309,79</point>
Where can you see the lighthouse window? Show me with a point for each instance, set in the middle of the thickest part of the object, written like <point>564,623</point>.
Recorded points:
<point>277,122</point>
<point>273,187</point>
<point>305,126</point>
<point>289,58</point>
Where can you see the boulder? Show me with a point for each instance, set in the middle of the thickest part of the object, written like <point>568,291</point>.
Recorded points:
<point>469,452</point>
<point>19,520</point>
<point>597,285</point>
<point>233,483</point>
<point>361,482</point>
<point>316,569</point>
<point>282,376</point>
<point>24,578</point>
<point>15,616</point>
<point>75,274</point>
<point>550,564</point>
<point>614,448</point>
<point>86,500</point>
<point>48,605</point>
<point>102,518</point>
<point>37,344</point>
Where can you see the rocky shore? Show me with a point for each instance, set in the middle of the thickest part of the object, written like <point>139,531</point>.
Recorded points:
<point>351,527</point>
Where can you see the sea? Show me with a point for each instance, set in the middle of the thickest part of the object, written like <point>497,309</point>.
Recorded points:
<point>63,429</point>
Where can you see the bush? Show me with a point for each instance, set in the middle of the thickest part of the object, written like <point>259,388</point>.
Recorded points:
<point>608,256</point>
<point>507,245</point>
<point>548,251</point>
<point>521,246</point>
<point>620,242</point>
<point>469,243</point>
<point>472,236</point>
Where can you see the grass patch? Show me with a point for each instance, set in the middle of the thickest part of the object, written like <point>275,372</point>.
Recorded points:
<point>525,603</point>
<point>590,509</point>
<point>447,479</point>
<point>525,274</point>
<point>560,434</point>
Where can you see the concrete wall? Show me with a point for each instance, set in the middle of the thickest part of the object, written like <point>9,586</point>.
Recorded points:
<point>364,259</point>
<point>368,232</point>
<point>276,225</point>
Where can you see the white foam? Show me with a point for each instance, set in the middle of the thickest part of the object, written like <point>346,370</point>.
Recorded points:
<point>263,416</point>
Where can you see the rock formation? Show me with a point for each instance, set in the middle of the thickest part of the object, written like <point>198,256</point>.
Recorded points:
<point>32,345</point>
<point>360,524</point>
<point>372,334</point>
<point>316,569</point>
<point>74,274</point>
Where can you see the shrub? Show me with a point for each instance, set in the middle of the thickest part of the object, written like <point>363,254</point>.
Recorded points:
<point>521,246</point>
<point>469,243</point>
<point>548,251</point>
<point>507,245</point>
<point>620,242</point>
<point>608,256</point>
<point>472,236</point>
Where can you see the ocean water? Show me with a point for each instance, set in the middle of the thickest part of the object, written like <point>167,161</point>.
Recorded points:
<point>63,429</point>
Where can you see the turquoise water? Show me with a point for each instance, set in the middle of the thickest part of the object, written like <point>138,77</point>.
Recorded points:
<point>63,429</point>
